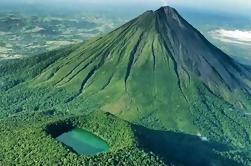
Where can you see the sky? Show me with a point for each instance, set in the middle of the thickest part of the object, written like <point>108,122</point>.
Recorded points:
<point>231,6</point>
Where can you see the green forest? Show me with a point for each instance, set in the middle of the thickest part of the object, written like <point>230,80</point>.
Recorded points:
<point>142,88</point>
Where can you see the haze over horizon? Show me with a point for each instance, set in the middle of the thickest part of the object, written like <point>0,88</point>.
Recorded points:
<point>226,6</point>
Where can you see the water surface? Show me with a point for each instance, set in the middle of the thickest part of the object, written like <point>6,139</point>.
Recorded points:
<point>83,142</point>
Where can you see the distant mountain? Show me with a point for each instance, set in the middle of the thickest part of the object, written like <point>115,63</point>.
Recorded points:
<point>156,71</point>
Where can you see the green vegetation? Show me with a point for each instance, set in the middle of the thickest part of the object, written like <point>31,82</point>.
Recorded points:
<point>34,31</point>
<point>29,139</point>
<point>167,112</point>
<point>26,140</point>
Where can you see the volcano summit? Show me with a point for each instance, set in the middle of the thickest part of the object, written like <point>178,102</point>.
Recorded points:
<point>156,72</point>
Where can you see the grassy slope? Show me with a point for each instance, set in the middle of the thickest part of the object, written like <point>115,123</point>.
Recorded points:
<point>128,73</point>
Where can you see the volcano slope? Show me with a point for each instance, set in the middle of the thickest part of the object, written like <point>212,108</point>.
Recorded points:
<point>156,71</point>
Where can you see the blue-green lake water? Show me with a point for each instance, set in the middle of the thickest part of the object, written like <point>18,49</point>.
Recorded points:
<point>83,142</point>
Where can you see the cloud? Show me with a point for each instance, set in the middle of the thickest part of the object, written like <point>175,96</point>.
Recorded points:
<point>232,36</point>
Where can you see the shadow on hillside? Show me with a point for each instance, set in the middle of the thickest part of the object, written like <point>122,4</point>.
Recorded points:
<point>56,129</point>
<point>181,149</point>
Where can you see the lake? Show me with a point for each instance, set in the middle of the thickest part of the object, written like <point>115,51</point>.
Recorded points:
<point>83,142</point>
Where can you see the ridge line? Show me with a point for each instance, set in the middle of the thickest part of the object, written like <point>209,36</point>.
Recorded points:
<point>131,59</point>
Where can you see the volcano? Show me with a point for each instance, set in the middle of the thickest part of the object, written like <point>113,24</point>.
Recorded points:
<point>155,71</point>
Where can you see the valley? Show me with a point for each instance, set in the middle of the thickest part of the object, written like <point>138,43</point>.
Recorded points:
<point>29,33</point>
